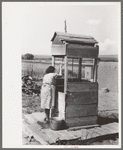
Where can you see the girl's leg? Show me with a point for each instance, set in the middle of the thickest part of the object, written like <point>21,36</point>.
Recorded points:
<point>47,113</point>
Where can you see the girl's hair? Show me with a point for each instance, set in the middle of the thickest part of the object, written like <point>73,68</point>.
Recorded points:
<point>50,69</point>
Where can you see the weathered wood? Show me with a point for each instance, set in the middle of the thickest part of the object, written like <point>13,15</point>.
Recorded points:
<point>53,61</point>
<point>83,127</point>
<point>108,58</point>
<point>58,50</point>
<point>76,98</point>
<point>67,135</point>
<point>92,134</point>
<point>79,51</point>
<point>100,131</point>
<point>95,71</point>
<point>81,110</point>
<point>80,68</point>
<point>39,136</point>
<point>77,40</point>
<point>70,35</point>
<point>113,126</point>
<point>61,105</point>
<point>65,74</point>
<point>81,121</point>
<point>54,135</point>
<point>49,137</point>
<point>81,87</point>
<point>109,129</point>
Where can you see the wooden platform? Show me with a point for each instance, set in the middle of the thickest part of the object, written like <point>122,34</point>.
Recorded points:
<point>33,126</point>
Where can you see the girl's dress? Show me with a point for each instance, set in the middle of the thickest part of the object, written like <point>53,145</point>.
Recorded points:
<point>47,90</point>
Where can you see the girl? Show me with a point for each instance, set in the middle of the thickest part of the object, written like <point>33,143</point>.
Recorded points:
<point>47,90</point>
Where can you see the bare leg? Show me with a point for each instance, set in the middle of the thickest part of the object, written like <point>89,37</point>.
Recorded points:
<point>47,113</point>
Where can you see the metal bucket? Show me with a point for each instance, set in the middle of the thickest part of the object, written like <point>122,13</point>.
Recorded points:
<point>56,123</point>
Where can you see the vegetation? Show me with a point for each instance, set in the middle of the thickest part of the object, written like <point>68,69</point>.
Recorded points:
<point>28,56</point>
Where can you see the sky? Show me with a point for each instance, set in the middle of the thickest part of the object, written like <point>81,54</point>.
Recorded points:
<point>29,26</point>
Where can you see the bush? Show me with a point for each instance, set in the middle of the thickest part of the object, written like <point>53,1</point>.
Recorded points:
<point>28,56</point>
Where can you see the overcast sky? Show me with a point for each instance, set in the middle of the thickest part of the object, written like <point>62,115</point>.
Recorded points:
<point>29,26</point>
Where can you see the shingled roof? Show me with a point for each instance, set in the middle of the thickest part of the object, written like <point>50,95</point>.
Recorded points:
<point>60,37</point>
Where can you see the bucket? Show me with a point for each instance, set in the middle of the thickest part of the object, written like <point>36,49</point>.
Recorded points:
<point>55,123</point>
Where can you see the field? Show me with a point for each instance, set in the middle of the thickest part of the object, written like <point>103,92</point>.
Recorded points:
<point>108,102</point>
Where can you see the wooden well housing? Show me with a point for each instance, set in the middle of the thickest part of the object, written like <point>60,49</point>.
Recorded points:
<point>77,99</point>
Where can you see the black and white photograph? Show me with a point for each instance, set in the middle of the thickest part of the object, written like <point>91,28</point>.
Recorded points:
<point>61,74</point>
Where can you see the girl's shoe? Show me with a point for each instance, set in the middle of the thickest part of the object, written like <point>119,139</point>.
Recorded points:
<point>46,120</point>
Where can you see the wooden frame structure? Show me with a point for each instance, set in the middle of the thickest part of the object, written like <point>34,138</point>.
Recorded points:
<point>79,98</point>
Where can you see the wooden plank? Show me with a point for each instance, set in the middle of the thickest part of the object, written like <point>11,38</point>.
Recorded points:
<point>58,50</point>
<point>53,61</point>
<point>39,136</point>
<point>70,35</point>
<point>108,58</point>
<point>67,135</point>
<point>61,105</point>
<point>114,126</point>
<point>100,131</point>
<point>77,40</point>
<point>95,70</point>
<point>92,134</point>
<point>77,98</point>
<point>82,127</point>
<point>65,74</point>
<point>82,87</point>
<point>79,51</point>
<point>73,122</point>
<point>81,110</point>
<point>109,129</point>
<point>54,135</point>
<point>80,68</point>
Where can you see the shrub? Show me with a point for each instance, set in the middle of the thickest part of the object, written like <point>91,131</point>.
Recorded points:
<point>28,56</point>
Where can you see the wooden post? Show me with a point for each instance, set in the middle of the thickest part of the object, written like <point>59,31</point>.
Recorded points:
<point>80,68</point>
<point>65,74</point>
<point>95,70</point>
<point>53,89</point>
<point>53,61</point>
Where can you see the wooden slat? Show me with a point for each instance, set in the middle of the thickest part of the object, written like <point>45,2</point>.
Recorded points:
<point>81,87</point>
<point>77,40</point>
<point>73,122</point>
<point>65,74</point>
<point>61,105</point>
<point>71,35</point>
<point>108,58</point>
<point>83,127</point>
<point>39,136</point>
<point>81,110</point>
<point>58,50</point>
<point>79,51</point>
<point>77,98</point>
<point>113,126</point>
<point>108,130</point>
<point>100,131</point>
<point>92,134</point>
<point>80,68</point>
<point>54,135</point>
<point>67,135</point>
<point>53,61</point>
